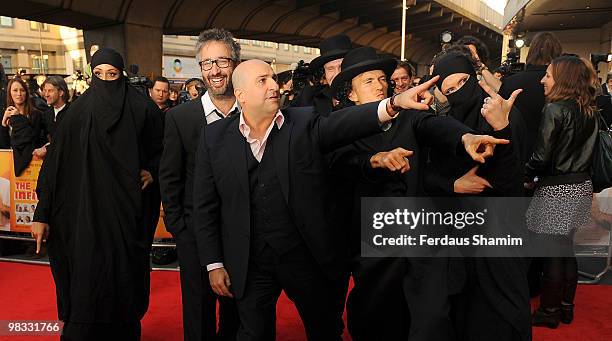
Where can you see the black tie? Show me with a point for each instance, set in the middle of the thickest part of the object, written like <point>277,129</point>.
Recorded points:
<point>219,114</point>
<point>235,111</point>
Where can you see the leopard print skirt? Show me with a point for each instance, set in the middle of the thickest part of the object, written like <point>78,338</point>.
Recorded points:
<point>560,209</point>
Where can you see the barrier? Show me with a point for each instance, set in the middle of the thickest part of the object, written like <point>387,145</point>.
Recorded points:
<point>18,201</point>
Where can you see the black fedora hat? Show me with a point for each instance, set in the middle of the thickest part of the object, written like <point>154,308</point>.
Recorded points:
<point>332,48</point>
<point>360,60</point>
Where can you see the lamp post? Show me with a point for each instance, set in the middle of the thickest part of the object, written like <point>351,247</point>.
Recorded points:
<point>42,61</point>
<point>403,29</point>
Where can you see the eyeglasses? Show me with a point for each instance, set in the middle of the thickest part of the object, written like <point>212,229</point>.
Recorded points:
<point>222,62</point>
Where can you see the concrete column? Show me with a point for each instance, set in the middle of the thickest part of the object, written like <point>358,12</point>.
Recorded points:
<point>141,45</point>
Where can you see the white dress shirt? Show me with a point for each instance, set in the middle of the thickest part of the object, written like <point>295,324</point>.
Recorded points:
<point>213,113</point>
<point>57,110</point>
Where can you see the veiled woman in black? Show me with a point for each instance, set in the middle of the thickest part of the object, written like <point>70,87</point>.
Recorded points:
<point>92,209</point>
<point>494,300</point>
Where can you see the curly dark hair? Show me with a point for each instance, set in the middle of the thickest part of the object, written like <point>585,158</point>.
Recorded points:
<point>342,95</point>
<point>316,75</point>
<point>481,48</point>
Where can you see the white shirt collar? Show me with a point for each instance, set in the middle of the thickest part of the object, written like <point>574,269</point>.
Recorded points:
<point>211,109</point>
<point>57,110</point>
<point>245,130</point>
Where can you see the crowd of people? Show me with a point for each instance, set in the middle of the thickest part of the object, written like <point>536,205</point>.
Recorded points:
<point>261,176</point>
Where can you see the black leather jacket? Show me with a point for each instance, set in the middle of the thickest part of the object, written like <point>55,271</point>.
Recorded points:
<point>564,145</point>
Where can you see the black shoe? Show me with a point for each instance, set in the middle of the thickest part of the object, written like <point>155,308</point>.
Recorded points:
<point>567,313</point>
<point>546,318</point>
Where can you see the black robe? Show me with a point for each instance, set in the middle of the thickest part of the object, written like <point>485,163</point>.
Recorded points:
<point>495,298</point>
<point>90,194</point>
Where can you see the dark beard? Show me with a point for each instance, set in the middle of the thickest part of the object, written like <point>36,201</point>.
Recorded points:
<point>229,89</point>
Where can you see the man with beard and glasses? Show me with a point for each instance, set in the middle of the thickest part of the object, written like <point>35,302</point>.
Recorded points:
<point>218,54</point>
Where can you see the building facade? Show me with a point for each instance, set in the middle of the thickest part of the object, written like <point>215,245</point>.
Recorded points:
<point>40,48</point>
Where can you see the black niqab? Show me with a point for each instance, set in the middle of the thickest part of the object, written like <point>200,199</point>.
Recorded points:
<point>109,95</point>
<point>467,100</point>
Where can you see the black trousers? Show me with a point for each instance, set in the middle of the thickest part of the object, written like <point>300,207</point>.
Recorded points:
<point>428,286</point>
<point>100,331</point>
<point>376,307</point>
<point>318,299</point>
<point>482,312</point>
<point>199,301</point>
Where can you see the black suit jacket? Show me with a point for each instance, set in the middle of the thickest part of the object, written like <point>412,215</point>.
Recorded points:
<point>50,122</point>
<point>183,125</point>
<point>221,188</point>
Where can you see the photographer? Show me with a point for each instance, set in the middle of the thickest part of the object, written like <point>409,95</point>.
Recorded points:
<point>285,85</point>
<point>195,88</point>
<point>544,48</point>
<point>324,68</point>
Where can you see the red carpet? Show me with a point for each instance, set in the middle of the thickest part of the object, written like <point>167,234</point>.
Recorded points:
<point>27,292</point>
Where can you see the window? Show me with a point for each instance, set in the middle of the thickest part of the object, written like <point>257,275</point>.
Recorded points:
<point>286,47</point>
<point>6,63</point>
<point>6,21</point>
<point>244,41</point>
<point>296,49</point>
<point>34,26</point>
<point>77,64</point>
<point>307,50</point>
<point>40,65</point>
<point>256,43</point>
<point>268,44</point>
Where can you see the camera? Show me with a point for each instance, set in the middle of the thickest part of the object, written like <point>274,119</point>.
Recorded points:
<point>184,96</point>
<point>141,83</point>
<point>512,64</point>
<point>300,76</point>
